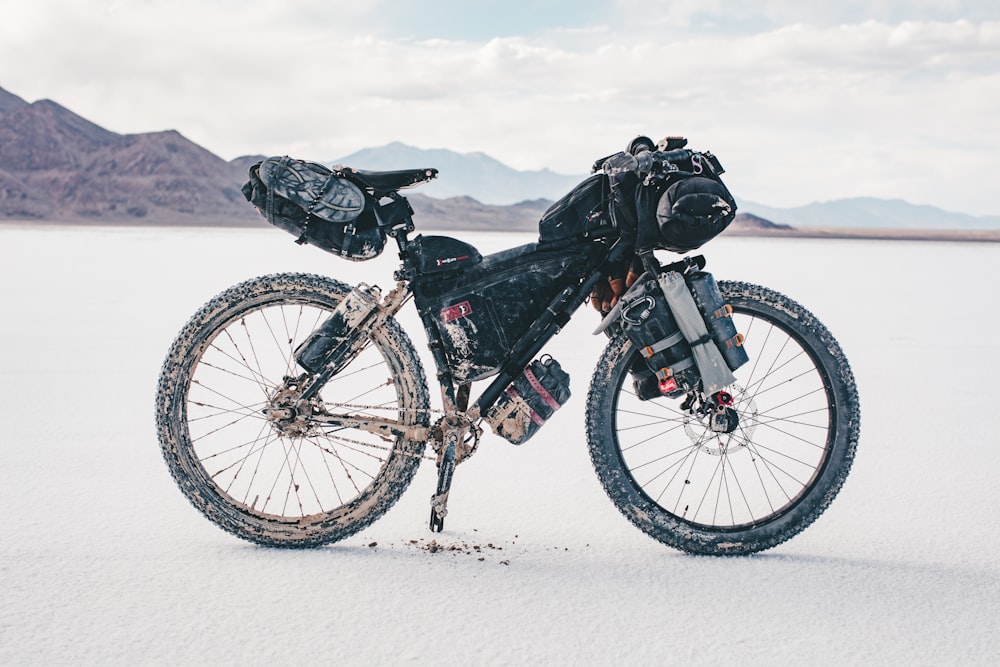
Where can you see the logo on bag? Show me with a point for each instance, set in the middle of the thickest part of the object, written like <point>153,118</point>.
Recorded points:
<point>450,260</point>
<point>452,313</point>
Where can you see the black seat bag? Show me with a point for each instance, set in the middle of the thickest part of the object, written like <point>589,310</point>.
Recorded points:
<point>316,205</point>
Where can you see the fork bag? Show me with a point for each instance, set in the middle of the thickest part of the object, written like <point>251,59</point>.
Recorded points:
<point>529,400</point>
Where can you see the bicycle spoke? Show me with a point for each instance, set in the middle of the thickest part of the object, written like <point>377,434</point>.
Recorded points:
<point>750,474</point>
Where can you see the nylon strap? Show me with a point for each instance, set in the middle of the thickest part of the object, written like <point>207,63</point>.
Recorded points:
<point>519,401</point>
<point>661,345</point>
<point>537,386</point>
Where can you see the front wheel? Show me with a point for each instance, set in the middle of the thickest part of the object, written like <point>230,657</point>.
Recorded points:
<point>715,493</point>
<point>284,482</point>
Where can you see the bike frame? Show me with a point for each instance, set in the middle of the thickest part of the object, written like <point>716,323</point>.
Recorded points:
<point>449,436</point>
<point>555,316</point>
<point>456,400</point>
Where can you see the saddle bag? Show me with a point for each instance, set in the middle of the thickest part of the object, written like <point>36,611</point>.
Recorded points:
<point>316,205</point>
<point>529,401</point>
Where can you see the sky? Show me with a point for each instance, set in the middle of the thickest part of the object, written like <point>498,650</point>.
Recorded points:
<point>802,102</point>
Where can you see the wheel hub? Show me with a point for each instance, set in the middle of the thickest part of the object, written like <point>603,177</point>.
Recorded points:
<point>721,424</point>
<point>288,414</point>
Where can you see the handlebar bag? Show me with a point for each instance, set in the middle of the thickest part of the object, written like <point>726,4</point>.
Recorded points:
<point>317,206</point>
<point>693,211</point>
<point>680,204</point>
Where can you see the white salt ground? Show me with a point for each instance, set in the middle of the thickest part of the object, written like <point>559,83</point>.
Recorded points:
<point>103,562</point>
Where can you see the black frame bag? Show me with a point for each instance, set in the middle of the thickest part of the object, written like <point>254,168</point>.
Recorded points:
<point>579,214</point>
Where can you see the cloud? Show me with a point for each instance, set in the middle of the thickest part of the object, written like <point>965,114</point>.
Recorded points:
<point>809,110</point>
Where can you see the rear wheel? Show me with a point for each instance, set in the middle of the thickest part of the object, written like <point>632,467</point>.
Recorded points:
<point>285,482</point>
<point>731,493</point>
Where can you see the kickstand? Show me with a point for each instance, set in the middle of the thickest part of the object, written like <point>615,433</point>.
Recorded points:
<point>439,501</point>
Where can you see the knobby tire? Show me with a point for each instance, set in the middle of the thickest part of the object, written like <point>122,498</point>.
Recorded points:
<point>290,489</point>
<point>725,494</point>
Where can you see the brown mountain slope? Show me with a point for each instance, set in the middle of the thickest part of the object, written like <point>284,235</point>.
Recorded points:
<point>9,101</point>
<point>55,164</point>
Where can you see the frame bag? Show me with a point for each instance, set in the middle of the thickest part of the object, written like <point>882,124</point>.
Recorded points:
<point>580,214</point>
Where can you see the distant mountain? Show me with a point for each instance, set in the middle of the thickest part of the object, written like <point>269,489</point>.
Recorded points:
<point>748,222</point>
<point>475,175</point>
<point>9,101</point>
<point>456,213</point>
<point>870,213</point>
<point>57,165</point>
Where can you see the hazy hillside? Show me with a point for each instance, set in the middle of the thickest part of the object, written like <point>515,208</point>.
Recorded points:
<point>54,164</point>
<point>475,175</point>
<point>57,165</point>
<point>9,101</point>
<point>870,213</point>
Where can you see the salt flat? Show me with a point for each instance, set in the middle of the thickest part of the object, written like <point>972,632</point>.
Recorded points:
<point>103,561</point>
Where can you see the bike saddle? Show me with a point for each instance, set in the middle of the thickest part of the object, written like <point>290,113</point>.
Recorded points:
<point>384,182</point>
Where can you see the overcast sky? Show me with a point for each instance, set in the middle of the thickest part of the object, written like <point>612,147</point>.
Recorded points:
<point>802,101</point>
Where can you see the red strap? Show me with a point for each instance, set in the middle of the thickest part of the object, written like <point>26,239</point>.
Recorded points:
<point>535,417</point>
<point>537,386</point>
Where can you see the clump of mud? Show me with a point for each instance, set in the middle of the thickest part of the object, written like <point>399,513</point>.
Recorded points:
<point>480,551</point>
<point>458,548</point>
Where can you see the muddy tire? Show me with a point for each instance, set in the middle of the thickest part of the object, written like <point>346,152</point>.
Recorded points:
<point>271,484</point>
<point>715,493</point>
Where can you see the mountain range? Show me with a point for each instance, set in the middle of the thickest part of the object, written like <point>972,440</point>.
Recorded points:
<point>475,175</point>
<point>54,164</point>
<point>870,213</point>
<point>58,166</point>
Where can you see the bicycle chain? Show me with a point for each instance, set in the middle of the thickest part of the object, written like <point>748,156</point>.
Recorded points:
<point>385,448</point>
<point>431,411</point>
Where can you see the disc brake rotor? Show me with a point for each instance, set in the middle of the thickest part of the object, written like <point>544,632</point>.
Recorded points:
<point>697,428</point>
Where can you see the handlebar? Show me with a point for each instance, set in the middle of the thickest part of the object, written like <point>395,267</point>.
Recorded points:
<point>645,164</point>
<point>668,158</point>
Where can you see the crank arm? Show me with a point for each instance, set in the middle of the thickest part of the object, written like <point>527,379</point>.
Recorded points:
<point>439,501</point>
